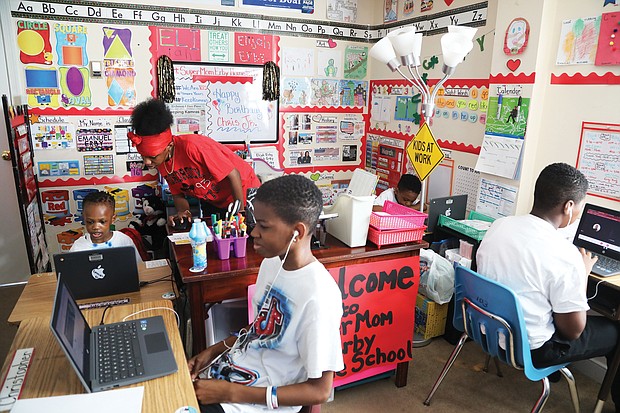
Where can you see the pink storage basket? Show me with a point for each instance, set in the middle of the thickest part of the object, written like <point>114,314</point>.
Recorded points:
<point>401,217</point>
<point>398,236</point>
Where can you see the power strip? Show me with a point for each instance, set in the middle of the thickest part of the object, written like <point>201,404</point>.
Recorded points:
<point>106,303</point>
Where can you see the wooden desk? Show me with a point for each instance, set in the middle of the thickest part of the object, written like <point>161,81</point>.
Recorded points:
<point>50,373</point>
<point>228,279</point>
<point>37,297</point>
<point>607,302</point>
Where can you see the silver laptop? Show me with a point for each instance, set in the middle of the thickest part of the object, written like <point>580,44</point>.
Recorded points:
<point>110,355</point>
<point>450,206</point>
<point>100,272</point>
<point>599,233</point>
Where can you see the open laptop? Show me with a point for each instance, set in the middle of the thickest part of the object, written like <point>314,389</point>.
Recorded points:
<point>144,342</point>
<point>450,206</point>
<point>100,272</point>
<point>599,233</point>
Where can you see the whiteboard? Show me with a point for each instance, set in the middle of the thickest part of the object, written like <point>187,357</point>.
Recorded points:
<point>232,98</point>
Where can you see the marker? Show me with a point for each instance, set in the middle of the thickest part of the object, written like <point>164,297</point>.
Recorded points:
<point>500,98</point>
<point>518,109</point>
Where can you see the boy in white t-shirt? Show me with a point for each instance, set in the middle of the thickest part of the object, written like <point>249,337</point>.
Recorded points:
<point>98,214</point>
<point>288,355</point>
<point>549,274</point>
<point>406,193</point>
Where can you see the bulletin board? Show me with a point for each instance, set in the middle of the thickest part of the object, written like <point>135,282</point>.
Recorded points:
<point>599,158</point>
<point>223,101</point>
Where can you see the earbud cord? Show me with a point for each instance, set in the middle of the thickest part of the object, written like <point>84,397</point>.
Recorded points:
<point>243,332</point>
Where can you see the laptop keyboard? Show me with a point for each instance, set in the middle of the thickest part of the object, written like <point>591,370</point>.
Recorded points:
<point>606,266</point>
<point>119,355</point>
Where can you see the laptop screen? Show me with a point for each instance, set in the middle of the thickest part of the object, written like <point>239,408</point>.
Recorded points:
<point>599,231</point>
<point>72,331</point>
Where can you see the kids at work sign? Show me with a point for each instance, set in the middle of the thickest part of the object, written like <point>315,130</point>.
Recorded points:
<point>378,315</point>
<point>424,153</point>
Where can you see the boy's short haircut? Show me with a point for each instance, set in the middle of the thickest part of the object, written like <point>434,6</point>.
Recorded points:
<point>557,184</point>
<point>151,117</point>
<point>409,182</point>
<point>294,198</point>
<point>99,197</point>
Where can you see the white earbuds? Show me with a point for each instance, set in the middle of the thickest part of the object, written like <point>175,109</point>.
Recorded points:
<point>295,234</point>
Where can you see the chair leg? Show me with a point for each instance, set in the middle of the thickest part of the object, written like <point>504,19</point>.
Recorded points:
<point>496,362</point>
<point>540,403</point>
<point>446,367</point>
<point>572,387</point>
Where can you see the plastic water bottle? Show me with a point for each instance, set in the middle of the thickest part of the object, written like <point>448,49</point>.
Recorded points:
<point>198,237</point>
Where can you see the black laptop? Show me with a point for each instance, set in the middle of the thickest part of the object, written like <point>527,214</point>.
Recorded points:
<point>100,272</point>
<point>450,206</point>
<point>110,355</point>
<point>599,233</point>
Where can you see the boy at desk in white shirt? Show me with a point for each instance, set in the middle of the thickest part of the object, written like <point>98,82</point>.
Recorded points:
<point>406,193</point>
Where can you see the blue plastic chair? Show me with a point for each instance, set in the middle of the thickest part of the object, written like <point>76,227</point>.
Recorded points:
<point>490,314</point>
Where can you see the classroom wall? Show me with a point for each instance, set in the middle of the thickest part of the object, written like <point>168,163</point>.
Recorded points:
<point>553,127</point>
<point>557,110</point>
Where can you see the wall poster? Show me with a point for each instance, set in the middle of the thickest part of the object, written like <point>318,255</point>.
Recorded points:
<point>599,158</point>
<point>232,99</point>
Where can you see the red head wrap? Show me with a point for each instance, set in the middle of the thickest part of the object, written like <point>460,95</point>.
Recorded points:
<point>151,145</point>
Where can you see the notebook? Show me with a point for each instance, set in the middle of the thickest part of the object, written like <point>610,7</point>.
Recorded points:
<point>143,352</point>
<point>96,273</point>
<point>599,233</point>
<point>450,206</point>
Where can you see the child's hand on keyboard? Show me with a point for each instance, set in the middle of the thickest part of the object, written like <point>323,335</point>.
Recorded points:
<point>589,259</point>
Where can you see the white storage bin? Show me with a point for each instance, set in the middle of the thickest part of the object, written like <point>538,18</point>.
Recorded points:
<point>351,226</point>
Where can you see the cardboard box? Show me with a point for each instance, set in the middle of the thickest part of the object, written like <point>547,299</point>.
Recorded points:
<point>430,317</point>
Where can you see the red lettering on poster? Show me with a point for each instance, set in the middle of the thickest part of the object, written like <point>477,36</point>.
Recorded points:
<point>177,43</point>
<point>255,48</point>
<point>378,314</point>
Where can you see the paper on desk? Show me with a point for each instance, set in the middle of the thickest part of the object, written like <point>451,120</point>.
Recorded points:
<point>127,400</point>
<point>180,238</point>
<point>156,263</point>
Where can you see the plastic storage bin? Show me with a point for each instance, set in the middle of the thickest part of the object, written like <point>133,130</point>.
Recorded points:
<point>351,225</point>
<point>396,216</point>
<point>395,236</point>
<point>463,228</point>
<point>223,246</point>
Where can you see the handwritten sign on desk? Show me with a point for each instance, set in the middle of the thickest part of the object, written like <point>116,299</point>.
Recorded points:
<point>379,308</point>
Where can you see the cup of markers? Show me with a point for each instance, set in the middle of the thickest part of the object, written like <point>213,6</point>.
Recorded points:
<point>229,236</point>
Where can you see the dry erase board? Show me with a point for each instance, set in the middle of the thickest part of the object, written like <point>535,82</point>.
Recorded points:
<point>599,158</point>
<point>226,101</point>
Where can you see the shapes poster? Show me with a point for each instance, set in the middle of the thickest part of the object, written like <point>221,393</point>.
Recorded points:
<point>118,67</point>
<point>75,87</point>
<point>33,41</point>
<point>578,40</point>
<point>42,87</point>
<point>71,44</point>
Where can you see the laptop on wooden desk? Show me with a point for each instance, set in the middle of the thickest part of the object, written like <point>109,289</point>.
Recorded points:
<point>110,355</point>
<point>100,272</point>
<point>599,233</point>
